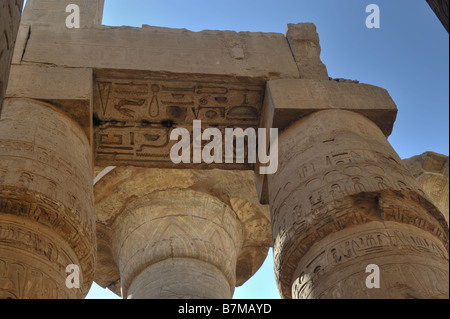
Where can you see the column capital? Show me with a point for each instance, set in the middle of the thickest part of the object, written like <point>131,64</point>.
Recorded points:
<point>127,190</point>
<point>289,100</point>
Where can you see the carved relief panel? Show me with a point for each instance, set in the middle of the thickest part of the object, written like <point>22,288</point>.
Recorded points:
<point>134,118</point>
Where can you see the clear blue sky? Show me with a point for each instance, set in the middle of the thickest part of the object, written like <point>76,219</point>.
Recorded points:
<point>408,55</point>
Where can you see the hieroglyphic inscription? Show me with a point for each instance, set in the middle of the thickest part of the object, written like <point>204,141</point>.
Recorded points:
<point>135,118</point>
<point>51,214</point>
<point>32,246</point>
<point>371,246</point>
<point>21,281</point>
<point>21,237</point>
<point>21,152</point>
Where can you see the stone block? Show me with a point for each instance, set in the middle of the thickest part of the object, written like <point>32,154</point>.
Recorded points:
<point>246,54</point>
<point>289,100</point>
<point>50,83</point>
<point>304,42</point>
<point>10,13</point>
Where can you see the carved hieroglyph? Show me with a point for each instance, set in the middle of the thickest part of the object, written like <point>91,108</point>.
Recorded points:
<point>10,11</point>
<point>46,202</point>
<point>178,233</point>
<point>431,171</point>
<point>342,200</point>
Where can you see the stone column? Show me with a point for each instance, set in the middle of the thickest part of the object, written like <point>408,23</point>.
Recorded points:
<point>178,234</point>
<point>188,239</point>
<point>10,12</point>
<point>46,202</point>
<point>342,200</point>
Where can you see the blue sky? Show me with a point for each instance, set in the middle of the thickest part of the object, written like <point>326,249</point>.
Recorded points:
<point>408,55</point>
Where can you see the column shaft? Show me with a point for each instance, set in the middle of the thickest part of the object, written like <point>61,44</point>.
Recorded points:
<point>46,202</point>
<point>180,278</point>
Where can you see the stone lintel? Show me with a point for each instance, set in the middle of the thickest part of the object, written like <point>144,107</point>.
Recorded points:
<point>264,55</point>
<point>288,100</point>
<point>136,113</point>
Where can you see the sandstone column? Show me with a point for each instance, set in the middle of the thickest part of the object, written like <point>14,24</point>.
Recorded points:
<point>10,12</point>
<point>178,233</point>
<point>342,200</point>
<point>46,202</point>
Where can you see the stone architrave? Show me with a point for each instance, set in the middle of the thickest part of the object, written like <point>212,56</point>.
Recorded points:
<point>166,233</point>
<point>431,171</point>
<point>342,200</point>
<point>46,203</point>
<point>10,12</point>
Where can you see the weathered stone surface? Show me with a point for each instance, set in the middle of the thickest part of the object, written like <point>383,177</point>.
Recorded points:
<point>335,268</point>
<point>180,278</point>
<point>290,100</point>
<point>46,202</point>
<point>54,12</point>
<point>266,55</point>
<point>305,45</point>
<point>342,200</point>
<point>10,13</point>
<point>213,217</point>
<point>431,171</point>
<point>50,83</point>
<point>441,9</point>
